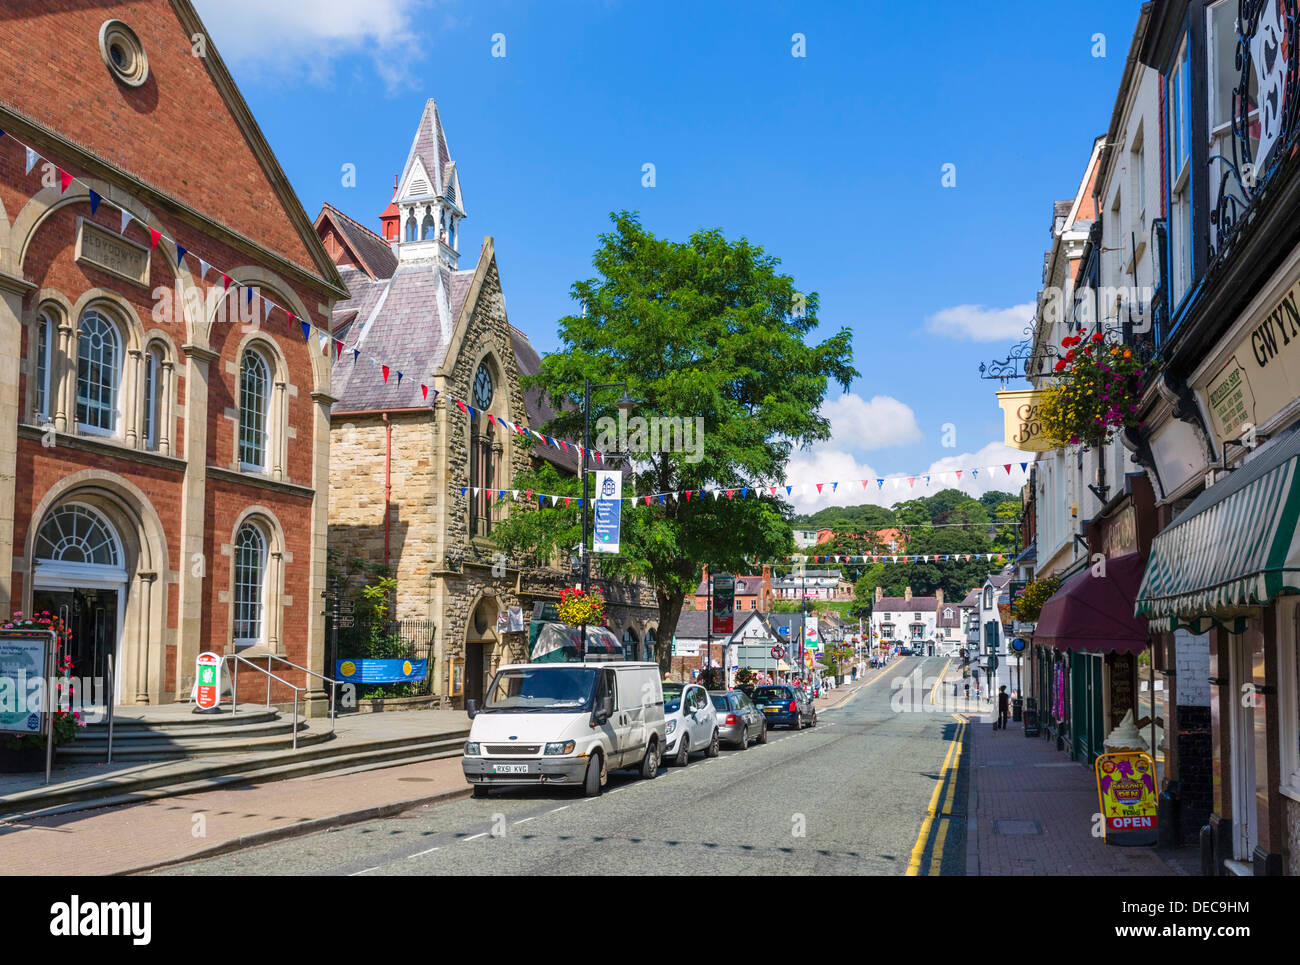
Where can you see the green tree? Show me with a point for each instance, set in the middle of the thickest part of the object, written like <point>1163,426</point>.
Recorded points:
<point>1006,534</point>
<point>705,329</point>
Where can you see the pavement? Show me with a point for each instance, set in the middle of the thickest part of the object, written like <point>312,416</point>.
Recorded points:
<point>354,736</point>
<point>1031,811</point>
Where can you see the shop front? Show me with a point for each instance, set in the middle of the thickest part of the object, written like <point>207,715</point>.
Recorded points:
<point>1229,566</point>
<point>1086,643</point>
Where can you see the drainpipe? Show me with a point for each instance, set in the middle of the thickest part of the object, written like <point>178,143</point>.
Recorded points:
<point>388,481</point>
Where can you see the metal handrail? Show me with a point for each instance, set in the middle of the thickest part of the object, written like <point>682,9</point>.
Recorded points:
<point>312,673</point>
<point>234,689</point>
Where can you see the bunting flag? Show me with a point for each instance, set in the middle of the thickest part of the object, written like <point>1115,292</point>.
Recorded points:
<point>32,158</point>
<point>424,390</point>
<point>180,249</point>
<point>154,237</point>
<point>385,371</point>
<point>126,220</point>
<point>65,179</point>
<point>95,198</point>
<point>203,274</point>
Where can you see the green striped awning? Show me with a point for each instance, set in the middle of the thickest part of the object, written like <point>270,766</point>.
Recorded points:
<point>1235,546</point>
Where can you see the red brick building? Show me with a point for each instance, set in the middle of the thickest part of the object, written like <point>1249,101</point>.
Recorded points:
<point>164,460</point>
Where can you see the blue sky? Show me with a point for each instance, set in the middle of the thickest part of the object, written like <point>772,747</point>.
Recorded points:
<point>831,161</point>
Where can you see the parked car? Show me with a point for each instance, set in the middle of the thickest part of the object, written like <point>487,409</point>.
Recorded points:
<point>558,723</point>
<point>783,704</point>
<point>689,722</point>
<point>739,720</point>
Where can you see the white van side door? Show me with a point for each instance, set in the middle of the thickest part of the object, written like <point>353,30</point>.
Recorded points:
<point>633,696</point>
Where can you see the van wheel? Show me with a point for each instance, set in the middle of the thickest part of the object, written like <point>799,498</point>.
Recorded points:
<point>650,765</point>
<point>744,739</point>
<point>683,752</point>
<point>713,745</point>
<point>595,770</point>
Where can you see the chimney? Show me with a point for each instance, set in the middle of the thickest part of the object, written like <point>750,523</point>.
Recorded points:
<point>766,602</point>
<point>907,594</point>
<point>880,593</point>
<point>938,596</point>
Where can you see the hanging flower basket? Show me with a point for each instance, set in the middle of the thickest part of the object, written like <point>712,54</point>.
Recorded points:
<point>1100,387</point>
<point>578,608</point>
<point>24,752</point>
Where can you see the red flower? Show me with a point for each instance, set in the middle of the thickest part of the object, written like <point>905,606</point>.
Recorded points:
<point>1097,337</point>
<point>1060,366</point>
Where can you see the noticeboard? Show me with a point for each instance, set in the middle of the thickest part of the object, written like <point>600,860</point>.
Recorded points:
<point>26,668</point>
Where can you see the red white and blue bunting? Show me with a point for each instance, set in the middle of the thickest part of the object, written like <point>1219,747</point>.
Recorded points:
<point>782,491</point>
<point>309,328</point>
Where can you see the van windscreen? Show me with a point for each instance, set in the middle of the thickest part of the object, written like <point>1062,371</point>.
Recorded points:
<point>560,689</point>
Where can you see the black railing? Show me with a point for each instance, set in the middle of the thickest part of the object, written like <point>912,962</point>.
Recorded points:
<point>361,639</point>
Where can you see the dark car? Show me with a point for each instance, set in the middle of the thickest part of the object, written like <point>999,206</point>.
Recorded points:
<point>785,705</point>
<point>739,720</point>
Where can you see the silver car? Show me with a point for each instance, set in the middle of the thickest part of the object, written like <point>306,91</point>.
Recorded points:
<point>739,721</point>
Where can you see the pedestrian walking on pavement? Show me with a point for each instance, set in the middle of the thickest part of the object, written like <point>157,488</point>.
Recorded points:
<point>1004,706</point>
<point>968,690</point>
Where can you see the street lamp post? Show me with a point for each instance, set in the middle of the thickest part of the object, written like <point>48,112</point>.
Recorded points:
<point>625,404</point>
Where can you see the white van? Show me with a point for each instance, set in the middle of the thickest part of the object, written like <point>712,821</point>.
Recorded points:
<point>565,723</point>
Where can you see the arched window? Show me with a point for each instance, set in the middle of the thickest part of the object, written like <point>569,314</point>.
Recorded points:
<point>411,228</point>
<point>428,229</point>
<point>630,647</point>
<point>988,598</point>
<point>481,476</point>
<point>651,647</point>
<point>99,374</point>
<point>153,388</point>
<point>77,534</point>
<point>44,366</point>
<point>254,396</point>
<point>250,586</point>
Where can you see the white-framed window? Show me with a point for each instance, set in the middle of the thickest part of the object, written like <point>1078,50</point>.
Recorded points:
<point>44,365</point>
<point>1178,96</point>
<point>250,586</point>
<point>153,408</point>
<point>254,403</point>
<point>99,374</point>
<point>1138,166</point>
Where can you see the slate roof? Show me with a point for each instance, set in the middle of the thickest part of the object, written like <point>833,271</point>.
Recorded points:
<point>373,251</point>
<point>903,604</point>
<point>941,621</point>
<point>399,320</point>
<point>745,586</point>
<point>430,148</point>
<point>539,411</point>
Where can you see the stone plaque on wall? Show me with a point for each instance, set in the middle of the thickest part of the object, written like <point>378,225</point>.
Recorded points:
<point>110,252</point>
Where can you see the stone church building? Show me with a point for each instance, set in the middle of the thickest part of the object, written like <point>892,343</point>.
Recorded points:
<point>163,461</point>
<point>401,460</point>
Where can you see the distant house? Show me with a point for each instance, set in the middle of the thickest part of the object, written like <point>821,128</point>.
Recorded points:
<point>753,592</point>
<point>907,619</point>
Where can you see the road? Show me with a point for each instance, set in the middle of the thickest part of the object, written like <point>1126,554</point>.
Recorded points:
<point>849,796</point>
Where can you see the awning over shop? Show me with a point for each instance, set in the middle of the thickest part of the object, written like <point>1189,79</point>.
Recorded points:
<point>1235,546</point>
<point>1096,612</point>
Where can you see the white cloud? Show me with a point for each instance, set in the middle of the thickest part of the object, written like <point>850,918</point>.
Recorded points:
<point>978,323</point>
<point>289,37</point>
<point>859,425</point>
<point>829,466</point>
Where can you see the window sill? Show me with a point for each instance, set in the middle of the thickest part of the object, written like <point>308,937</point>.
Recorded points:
<point>1290,790</point>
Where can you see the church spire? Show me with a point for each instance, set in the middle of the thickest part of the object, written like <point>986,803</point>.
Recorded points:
<point>427,205</point>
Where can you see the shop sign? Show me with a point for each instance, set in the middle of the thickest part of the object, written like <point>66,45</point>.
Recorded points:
<point>1021,427</point>
<point>26,662</point>
<point>1126,788</point>
<point>1262,377</point>
<point>724,603</point>
<point>207,679</point>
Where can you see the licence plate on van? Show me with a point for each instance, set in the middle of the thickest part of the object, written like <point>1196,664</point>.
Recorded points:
<point>509,768</point>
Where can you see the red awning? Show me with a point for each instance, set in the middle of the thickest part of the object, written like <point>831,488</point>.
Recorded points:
<point>1096,612</point>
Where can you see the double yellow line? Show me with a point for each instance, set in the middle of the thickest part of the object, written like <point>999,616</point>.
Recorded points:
<point>948,777</point>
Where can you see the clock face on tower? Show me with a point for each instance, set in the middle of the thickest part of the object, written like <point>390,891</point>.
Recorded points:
<point>482,388</point>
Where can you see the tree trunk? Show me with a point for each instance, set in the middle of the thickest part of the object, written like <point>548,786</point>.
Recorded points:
<point>670,609</point>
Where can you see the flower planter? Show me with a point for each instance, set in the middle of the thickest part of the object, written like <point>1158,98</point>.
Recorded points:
<point>24,761</point>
